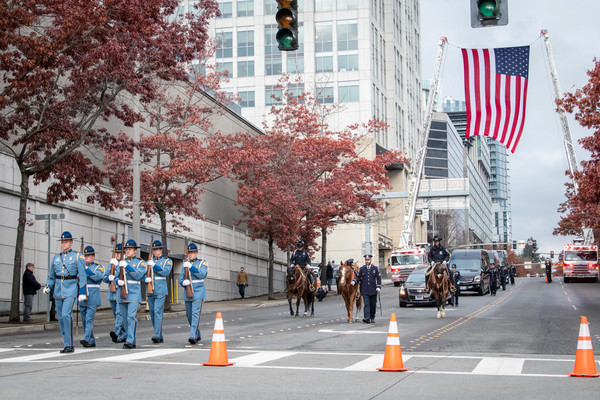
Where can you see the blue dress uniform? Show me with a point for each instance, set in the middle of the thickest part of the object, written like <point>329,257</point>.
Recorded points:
<point>119,332</point>
<point>370,283</point>
<point>65,271</point>
<point>156,301</point>
<point>95,275</point>
<point>135,271</point>
<point>193,305</point>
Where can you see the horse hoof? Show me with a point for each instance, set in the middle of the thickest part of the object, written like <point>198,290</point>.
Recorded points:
<point>439,315</point>
<point>443,315</point>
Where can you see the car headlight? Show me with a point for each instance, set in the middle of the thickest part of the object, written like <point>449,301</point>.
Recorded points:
<point>402,291</point>
<point>477,279</point>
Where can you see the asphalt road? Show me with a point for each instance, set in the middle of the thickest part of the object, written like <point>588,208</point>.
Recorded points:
<point>521,341</point>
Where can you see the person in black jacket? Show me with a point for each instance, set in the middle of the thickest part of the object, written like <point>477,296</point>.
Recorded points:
<point>492,272</point>
<point>329,275</point>
<point>504,275</point>
<point>455,279</point>
<point>548,271</point>
<point>30,288</point>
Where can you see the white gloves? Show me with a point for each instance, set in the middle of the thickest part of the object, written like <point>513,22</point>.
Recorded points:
<point>114,261</point>
<point>120,282</point>
<point>81,297</point>
<point>46,290</point>
<point>378,289</point>
<point>150,263</point>
<point>122,263</point>
<point>111,278</point>
<point>352,283</point>
<point>148,280</point>
<point>185,282</point>
<point>445,262</point>
<point>187,264</point>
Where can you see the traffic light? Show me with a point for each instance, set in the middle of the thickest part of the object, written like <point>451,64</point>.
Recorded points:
<point>489,13</point>
<point>534,244</point>
<point>551,254</point>
<point>287,25</point>
<point>514,244</point>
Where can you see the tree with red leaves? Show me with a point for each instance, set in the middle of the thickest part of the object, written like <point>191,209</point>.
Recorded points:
<point>300,175</point>
<point>69,66</point>
<point>582,207</point>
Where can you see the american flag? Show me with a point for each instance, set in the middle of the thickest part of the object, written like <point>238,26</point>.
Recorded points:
<point>496,92</point>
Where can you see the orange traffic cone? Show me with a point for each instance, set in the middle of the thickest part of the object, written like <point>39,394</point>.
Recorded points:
<point>585,366</point>
<point>218,348</point>
<point>392,360</point>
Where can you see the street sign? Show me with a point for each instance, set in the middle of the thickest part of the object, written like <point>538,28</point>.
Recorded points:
<point>49,216</point>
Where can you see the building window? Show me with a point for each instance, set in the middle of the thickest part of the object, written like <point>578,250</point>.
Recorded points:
<point>324,64</point>
<point>273,66</point>
<point>272,96</point>
<point>224,44</point>
<point>245,41</point>
<point>245,68</point>
<point>348,93</point>
<point>348,62</point>
<point>346,5</point>
<point>246,98</point>
<point>225,67</point>
<point>226,9</point>
<point>323,5</point>
<point>325,95</point>
<point>245,8</point>
<point>295,90</point>
<point>323,38</point>
<point>295,64</point>
<point>347,36</point>
<point>270,7</point>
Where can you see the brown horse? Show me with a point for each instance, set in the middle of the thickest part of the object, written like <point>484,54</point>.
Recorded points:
<point>439,283</point>
<point>350,293</point>
<point>297,284</point>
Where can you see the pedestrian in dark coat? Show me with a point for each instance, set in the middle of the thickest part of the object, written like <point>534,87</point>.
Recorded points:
<point>370,284</point>
<point>329,275</point>
<point>492,272</point>
<point>512,274</point>
<point>30,288</point>
<point>549,271</point>
<point>455,278</point>
<point>503,275</point>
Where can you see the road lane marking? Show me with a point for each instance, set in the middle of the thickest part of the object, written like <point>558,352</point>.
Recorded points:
<point>39,356</point>
<point>138,355</point>
<point>252,360</point>
<point>369,363</point>
<point>366,331</point>
<point>499,366</point>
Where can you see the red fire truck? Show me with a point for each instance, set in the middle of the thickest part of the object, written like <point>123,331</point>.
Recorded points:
<point>580,261</point>
<point>403,262</point>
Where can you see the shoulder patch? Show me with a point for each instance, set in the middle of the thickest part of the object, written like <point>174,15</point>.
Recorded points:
<point>82,257</point>
<point>101,268</point>
<point>203,263</point>
<point>169,262</point>
<point>143,263</point>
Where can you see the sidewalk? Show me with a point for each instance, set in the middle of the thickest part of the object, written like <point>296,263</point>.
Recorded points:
<point>105,315</point>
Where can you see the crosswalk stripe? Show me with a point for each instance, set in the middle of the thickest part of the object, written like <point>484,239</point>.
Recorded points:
<point>37,356</point>
<point>251,360</point>
<point>499,366</point>
<point>368,364</point>
<point>139,355</point>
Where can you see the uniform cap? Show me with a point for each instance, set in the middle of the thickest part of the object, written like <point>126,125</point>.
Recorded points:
<point>299,243</point>
<point>66,235</point>
<point>131,244</point>
<point>118,247</point>
<point>436,238</point>
<point>192,247</point>
<point>156,245</point>
<point>89,250</point>
<point>368,256</point>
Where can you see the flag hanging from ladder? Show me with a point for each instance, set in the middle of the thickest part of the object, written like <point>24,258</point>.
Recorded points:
<point>496,92</point>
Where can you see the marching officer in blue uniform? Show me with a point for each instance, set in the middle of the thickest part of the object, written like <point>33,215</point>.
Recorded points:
<point>161,268</point>
<point>67,278</point>
<point>95,275</point>
<point>193,305</point>
<point>135,271</point>
<point>301,257</point>
<point>370,284</point>
<point>119,334</point>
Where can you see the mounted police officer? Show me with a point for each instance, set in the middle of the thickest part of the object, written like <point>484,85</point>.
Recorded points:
<point>301,257</point>
<point>65,271</point>
<point>119,334</point>
<point>437,253</point>
<point>95,274</point>
<point>548,270</point>
<point>135,271</point>
<point>193,304</point>
<point>161,266</point>
<point>370,284</point>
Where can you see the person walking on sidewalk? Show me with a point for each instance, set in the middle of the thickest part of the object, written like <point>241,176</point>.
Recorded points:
<point>30,288</point>
<point>65,270</point>
<point>193,304</point>
<point>242,282</point>
<point>119,334</point>
<point>135,271</point>
<point>95,275</point>
<point>161,266</point>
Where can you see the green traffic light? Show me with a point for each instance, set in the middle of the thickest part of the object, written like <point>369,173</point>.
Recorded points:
<point>488,8</point>
<point>285,39</point>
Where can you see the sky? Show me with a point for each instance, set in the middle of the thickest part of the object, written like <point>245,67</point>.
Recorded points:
<point>537,167</point>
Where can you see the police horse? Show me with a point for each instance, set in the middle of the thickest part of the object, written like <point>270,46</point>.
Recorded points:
<point>297,284</point>
<point>350,293</point>
<point>439,284</point>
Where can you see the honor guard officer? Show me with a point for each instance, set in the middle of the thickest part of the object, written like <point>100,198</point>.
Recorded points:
<point>118,335</point>
<point>193,305</point>
<point>302,258</point>
<point>437,253</point>
<point>135,271</point>
<point>370,284</point>
<point>161,267</point>
<point>95,275</point>
<point>63,273</point>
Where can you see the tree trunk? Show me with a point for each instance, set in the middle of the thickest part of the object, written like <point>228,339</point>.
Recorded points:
<point>163,238</point>
<point>18,260</point>
<point>324,257</point>
<point>271,268</point>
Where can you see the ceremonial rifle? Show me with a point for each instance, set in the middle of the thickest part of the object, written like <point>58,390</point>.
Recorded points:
<point>189,289</point>
<point>150,271</point>
<point>113,269</point>
<point>122,275</point>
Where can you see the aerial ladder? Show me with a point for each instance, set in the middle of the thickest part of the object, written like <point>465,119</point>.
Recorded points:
<point>410,207</point>
<point>587,233</point>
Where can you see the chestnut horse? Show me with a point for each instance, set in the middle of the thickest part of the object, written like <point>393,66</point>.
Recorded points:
<point>297,284</point>
<point>350,293</point>
<point>439,283</point>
